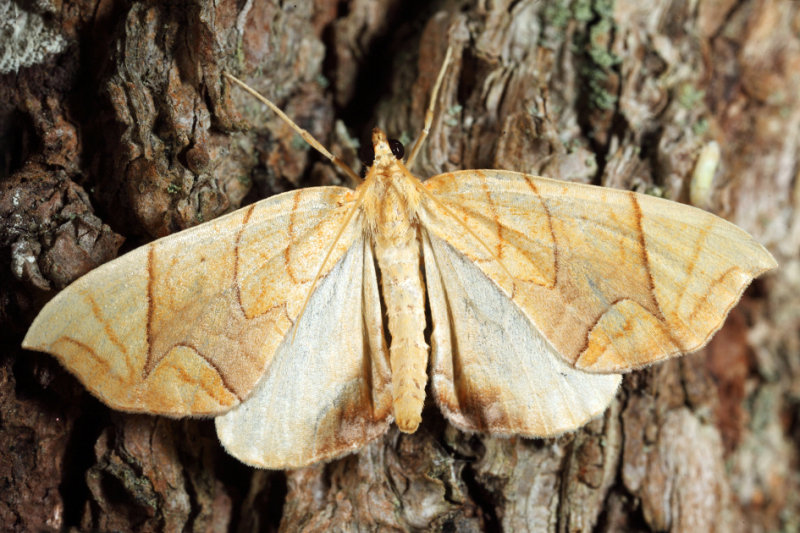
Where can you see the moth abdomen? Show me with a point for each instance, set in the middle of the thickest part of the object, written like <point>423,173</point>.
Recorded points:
<point>404,296</point>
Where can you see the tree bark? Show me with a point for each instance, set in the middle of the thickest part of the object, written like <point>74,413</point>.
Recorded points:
<point>116,124</point>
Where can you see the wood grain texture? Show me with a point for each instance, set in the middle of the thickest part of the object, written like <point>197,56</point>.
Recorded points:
<point>143,86</point>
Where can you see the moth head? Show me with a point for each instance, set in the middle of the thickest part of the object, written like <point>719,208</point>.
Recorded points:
<point>383,152</point>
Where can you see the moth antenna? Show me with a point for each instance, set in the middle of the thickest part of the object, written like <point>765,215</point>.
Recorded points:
<point>431,105</point>
<point>356,204</point>
<point>455,217</point>
<point>307,137</point>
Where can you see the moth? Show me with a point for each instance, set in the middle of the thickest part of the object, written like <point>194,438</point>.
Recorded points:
<point>272,319</point>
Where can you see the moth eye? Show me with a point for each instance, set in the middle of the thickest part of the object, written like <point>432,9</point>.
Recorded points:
<point>397,148</point>
<point>366,153</point>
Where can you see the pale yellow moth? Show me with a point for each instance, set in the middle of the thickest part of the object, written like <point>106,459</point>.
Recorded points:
<point>271,319</point>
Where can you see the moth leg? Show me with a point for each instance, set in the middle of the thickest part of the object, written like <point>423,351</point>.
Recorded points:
<point>429,112</point>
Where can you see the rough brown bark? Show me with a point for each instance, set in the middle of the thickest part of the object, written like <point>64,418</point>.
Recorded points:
<point>116,122</point>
